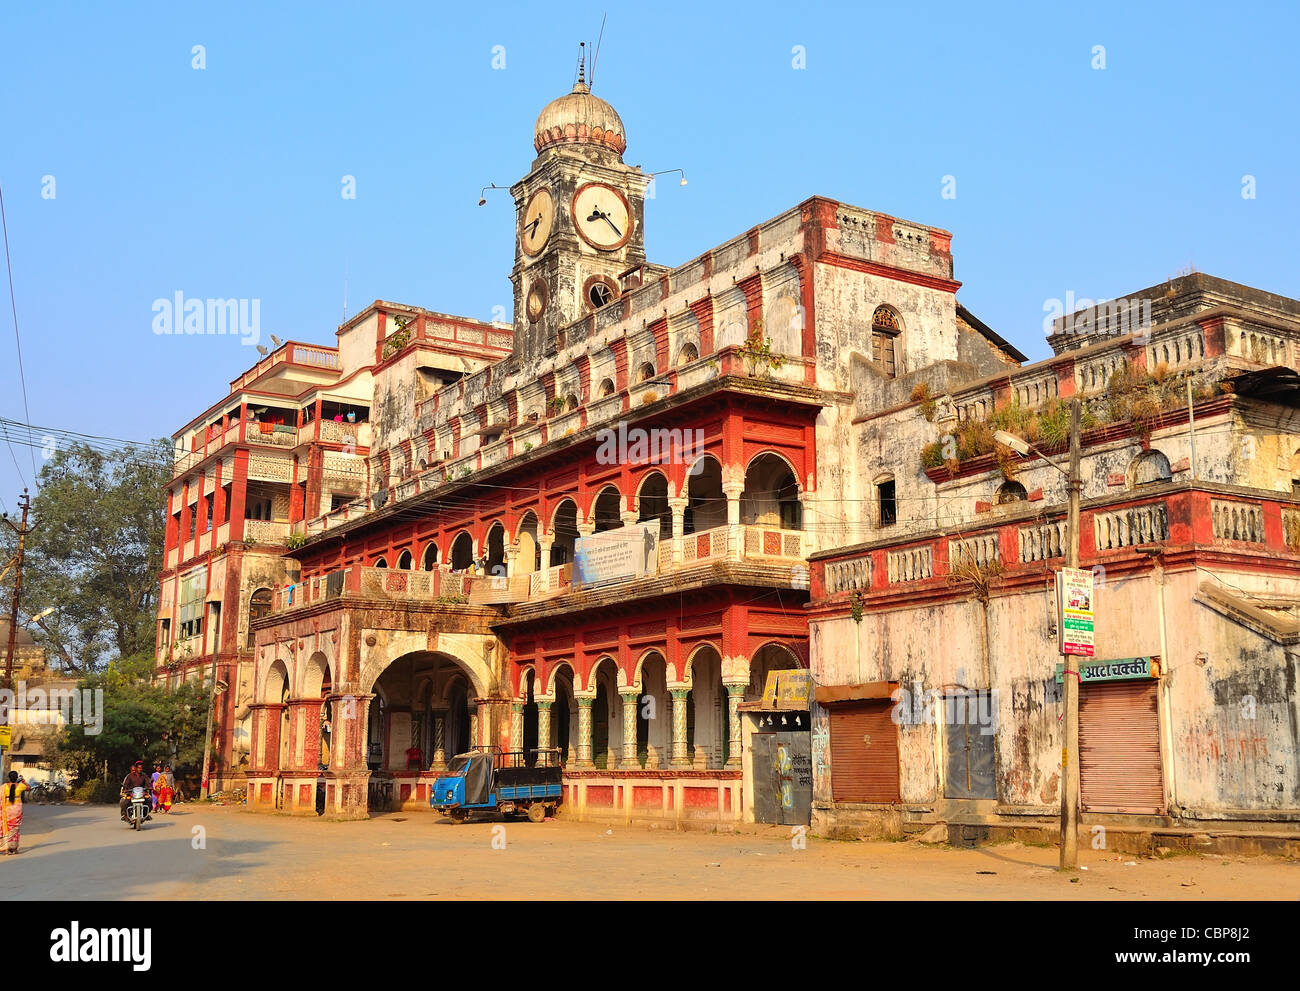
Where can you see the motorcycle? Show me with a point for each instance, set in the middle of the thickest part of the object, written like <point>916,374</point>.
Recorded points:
<point>137,812</point>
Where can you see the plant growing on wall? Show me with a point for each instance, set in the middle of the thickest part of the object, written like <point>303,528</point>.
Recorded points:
<point>921,394</point>
<point>855,606</point>
<point>296,541</point>
<point>757,352</point>
<point>399,338</point>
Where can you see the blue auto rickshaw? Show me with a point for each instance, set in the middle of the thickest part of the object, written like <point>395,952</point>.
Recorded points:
<point>489,780</point>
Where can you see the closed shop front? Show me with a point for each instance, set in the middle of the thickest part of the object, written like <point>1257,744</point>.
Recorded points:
<point>1119,747</point>
<point>864,752</point>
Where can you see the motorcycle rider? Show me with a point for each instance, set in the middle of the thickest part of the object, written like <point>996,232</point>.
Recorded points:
<point>135,779</point>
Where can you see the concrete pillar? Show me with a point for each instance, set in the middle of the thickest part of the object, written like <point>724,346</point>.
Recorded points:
<point>732,491</point>
<point>678,509</point>
<point>681,758</point>
<point>545,543</point>
<point>544,724</point>
<point>629,728</point>
<point>516,726</point>
<point>584,761</point>
<point>734,695</point>
<point>439,762</point>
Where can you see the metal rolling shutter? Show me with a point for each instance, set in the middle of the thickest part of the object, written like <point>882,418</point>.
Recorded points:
<point>1119,748</point>
<point>864,753</point>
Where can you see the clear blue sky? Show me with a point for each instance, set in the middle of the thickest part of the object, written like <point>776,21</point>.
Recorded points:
<point>225,182</point>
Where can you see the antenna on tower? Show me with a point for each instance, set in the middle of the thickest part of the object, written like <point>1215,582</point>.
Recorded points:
<point>596,54</point>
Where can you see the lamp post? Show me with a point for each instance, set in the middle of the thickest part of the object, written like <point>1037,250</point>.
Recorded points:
<point>1070,744</point>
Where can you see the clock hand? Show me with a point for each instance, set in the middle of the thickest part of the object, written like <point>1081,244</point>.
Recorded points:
<point>534,224</point>
<point>605,217</point>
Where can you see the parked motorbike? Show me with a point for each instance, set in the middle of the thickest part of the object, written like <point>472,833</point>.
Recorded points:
<point>137,812</point>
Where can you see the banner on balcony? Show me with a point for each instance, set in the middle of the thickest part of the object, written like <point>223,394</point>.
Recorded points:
<point>617,555</point>
<point>497,590</point>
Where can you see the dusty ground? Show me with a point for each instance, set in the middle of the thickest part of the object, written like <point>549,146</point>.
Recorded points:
<point>84,852</point>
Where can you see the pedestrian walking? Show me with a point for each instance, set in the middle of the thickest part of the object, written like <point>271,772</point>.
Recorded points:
<point>12,797</point>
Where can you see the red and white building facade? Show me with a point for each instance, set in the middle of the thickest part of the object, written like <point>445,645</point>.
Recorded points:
<point>423,595</point>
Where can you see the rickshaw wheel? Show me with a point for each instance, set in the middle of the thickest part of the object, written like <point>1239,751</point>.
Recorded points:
<point>536,812</point>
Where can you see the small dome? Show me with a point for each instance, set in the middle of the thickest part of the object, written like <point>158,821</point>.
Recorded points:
<point>579,118</point>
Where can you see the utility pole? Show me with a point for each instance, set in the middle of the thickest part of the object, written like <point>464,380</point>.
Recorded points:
<point>1070,744</point>
<point>22,530</point>
<point>207,735</point>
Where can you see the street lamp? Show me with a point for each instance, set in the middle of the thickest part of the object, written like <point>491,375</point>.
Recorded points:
<point>1070,745</point>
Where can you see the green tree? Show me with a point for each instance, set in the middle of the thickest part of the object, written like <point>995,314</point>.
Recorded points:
<point>96,552</point>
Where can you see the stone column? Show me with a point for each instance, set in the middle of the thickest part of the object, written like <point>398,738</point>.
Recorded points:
<point>439,742</point>
<point>473,728</point>
<point>584,761</point>
<point>544,545</point>
<point>681,758</point>
<point>732,491</point>
<point>629,729</point>
<point>516,726</point>
<point>678,509</point>
<point>543,724</point>
<point>734,694</point>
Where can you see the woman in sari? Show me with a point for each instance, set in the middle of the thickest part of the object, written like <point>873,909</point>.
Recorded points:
<point>12,796</point>
<point>162,792</point>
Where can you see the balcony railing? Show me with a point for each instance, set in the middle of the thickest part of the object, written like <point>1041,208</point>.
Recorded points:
<point>1131,526</point>
<point>1191,519</point>
<point>266,531</point>
<point>753,543</point>
<point>1237,521</point>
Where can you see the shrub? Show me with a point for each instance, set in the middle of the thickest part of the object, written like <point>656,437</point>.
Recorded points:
<point>96,790</point>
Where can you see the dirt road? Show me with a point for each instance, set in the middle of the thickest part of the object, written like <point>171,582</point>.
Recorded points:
<point>83,852</point>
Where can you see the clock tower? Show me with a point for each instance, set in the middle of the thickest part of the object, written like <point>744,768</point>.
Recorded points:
<point>579,220</point>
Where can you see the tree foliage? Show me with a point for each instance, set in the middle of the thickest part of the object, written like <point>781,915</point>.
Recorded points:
<point>96,552</point>
<point>141,720</point>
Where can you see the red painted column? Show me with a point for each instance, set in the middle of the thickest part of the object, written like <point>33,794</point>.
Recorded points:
<point>238,494</point>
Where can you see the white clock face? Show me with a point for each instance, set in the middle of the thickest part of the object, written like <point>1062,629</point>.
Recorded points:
<point>602,216</point>
<point>536,220</point>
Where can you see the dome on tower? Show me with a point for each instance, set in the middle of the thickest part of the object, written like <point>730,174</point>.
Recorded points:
<point>579,118</point>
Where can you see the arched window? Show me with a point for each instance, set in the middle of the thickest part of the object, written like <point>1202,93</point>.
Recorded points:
<point>885,328</point>
<point>570,402</point>
<point>259,605</point>
<point>381,563</point>
<point>430,557</point>
<point>1149,468</point>
<point>687,354</point>
<point>606,388</point>
<point>646,372</point>
<point>462,552</point>
<point>1011,492</point>
<point>404,561</point>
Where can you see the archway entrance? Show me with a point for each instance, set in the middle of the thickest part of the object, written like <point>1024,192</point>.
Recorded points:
<point>779,742</point>
<point>420,718</point>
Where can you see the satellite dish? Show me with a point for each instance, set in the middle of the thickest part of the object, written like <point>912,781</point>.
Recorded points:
<point>261,349</point>
<point>276,341</point>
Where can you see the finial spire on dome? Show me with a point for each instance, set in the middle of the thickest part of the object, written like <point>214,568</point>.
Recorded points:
<point>582,58</point>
